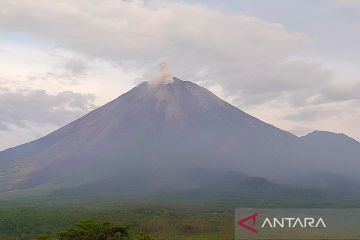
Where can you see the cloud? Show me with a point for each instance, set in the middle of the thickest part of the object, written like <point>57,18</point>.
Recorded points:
<point>238,50</point>
<point>64,67</point>
<point>310,114</point>
<point>248,60</point>
<point>69,71</point>
<point>75,66</point>
<point>252,58</point>
<point>23,108</point>
<point>348,3</point>
<point>3,126</point>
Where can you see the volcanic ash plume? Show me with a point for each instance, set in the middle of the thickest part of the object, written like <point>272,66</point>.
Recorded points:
<point>165,76</point>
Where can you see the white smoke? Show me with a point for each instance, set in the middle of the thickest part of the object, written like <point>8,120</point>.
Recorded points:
<point>164,77</point>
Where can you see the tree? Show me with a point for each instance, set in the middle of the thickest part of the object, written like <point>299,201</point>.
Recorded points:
<point>43,237</point>
<point>93,230</point>
<point>143,236</point>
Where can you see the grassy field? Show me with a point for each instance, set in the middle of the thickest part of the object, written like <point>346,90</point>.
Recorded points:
<point>167,217</point>
<point>26,222</point>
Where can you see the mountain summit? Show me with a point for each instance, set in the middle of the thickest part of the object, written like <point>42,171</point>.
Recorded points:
<point>173,134</point>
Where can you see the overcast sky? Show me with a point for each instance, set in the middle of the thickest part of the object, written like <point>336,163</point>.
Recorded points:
<point>294,64</point>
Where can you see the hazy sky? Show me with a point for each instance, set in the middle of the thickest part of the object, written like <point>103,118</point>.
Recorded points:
<point>294,64</point>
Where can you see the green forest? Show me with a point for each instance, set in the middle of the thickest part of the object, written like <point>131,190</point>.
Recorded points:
<point>102,223</point>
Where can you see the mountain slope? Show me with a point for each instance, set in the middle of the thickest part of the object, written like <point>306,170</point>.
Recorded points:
<point>155,135</point>
<point>331,152</point>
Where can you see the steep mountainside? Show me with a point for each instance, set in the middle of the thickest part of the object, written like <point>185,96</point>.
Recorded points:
<point>167,135</point>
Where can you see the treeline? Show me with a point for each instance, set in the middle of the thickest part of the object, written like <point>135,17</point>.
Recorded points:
<point>95,230</point>
<point>58,222</point>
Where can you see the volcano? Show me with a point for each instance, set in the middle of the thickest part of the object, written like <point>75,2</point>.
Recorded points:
<point>172,135</point>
